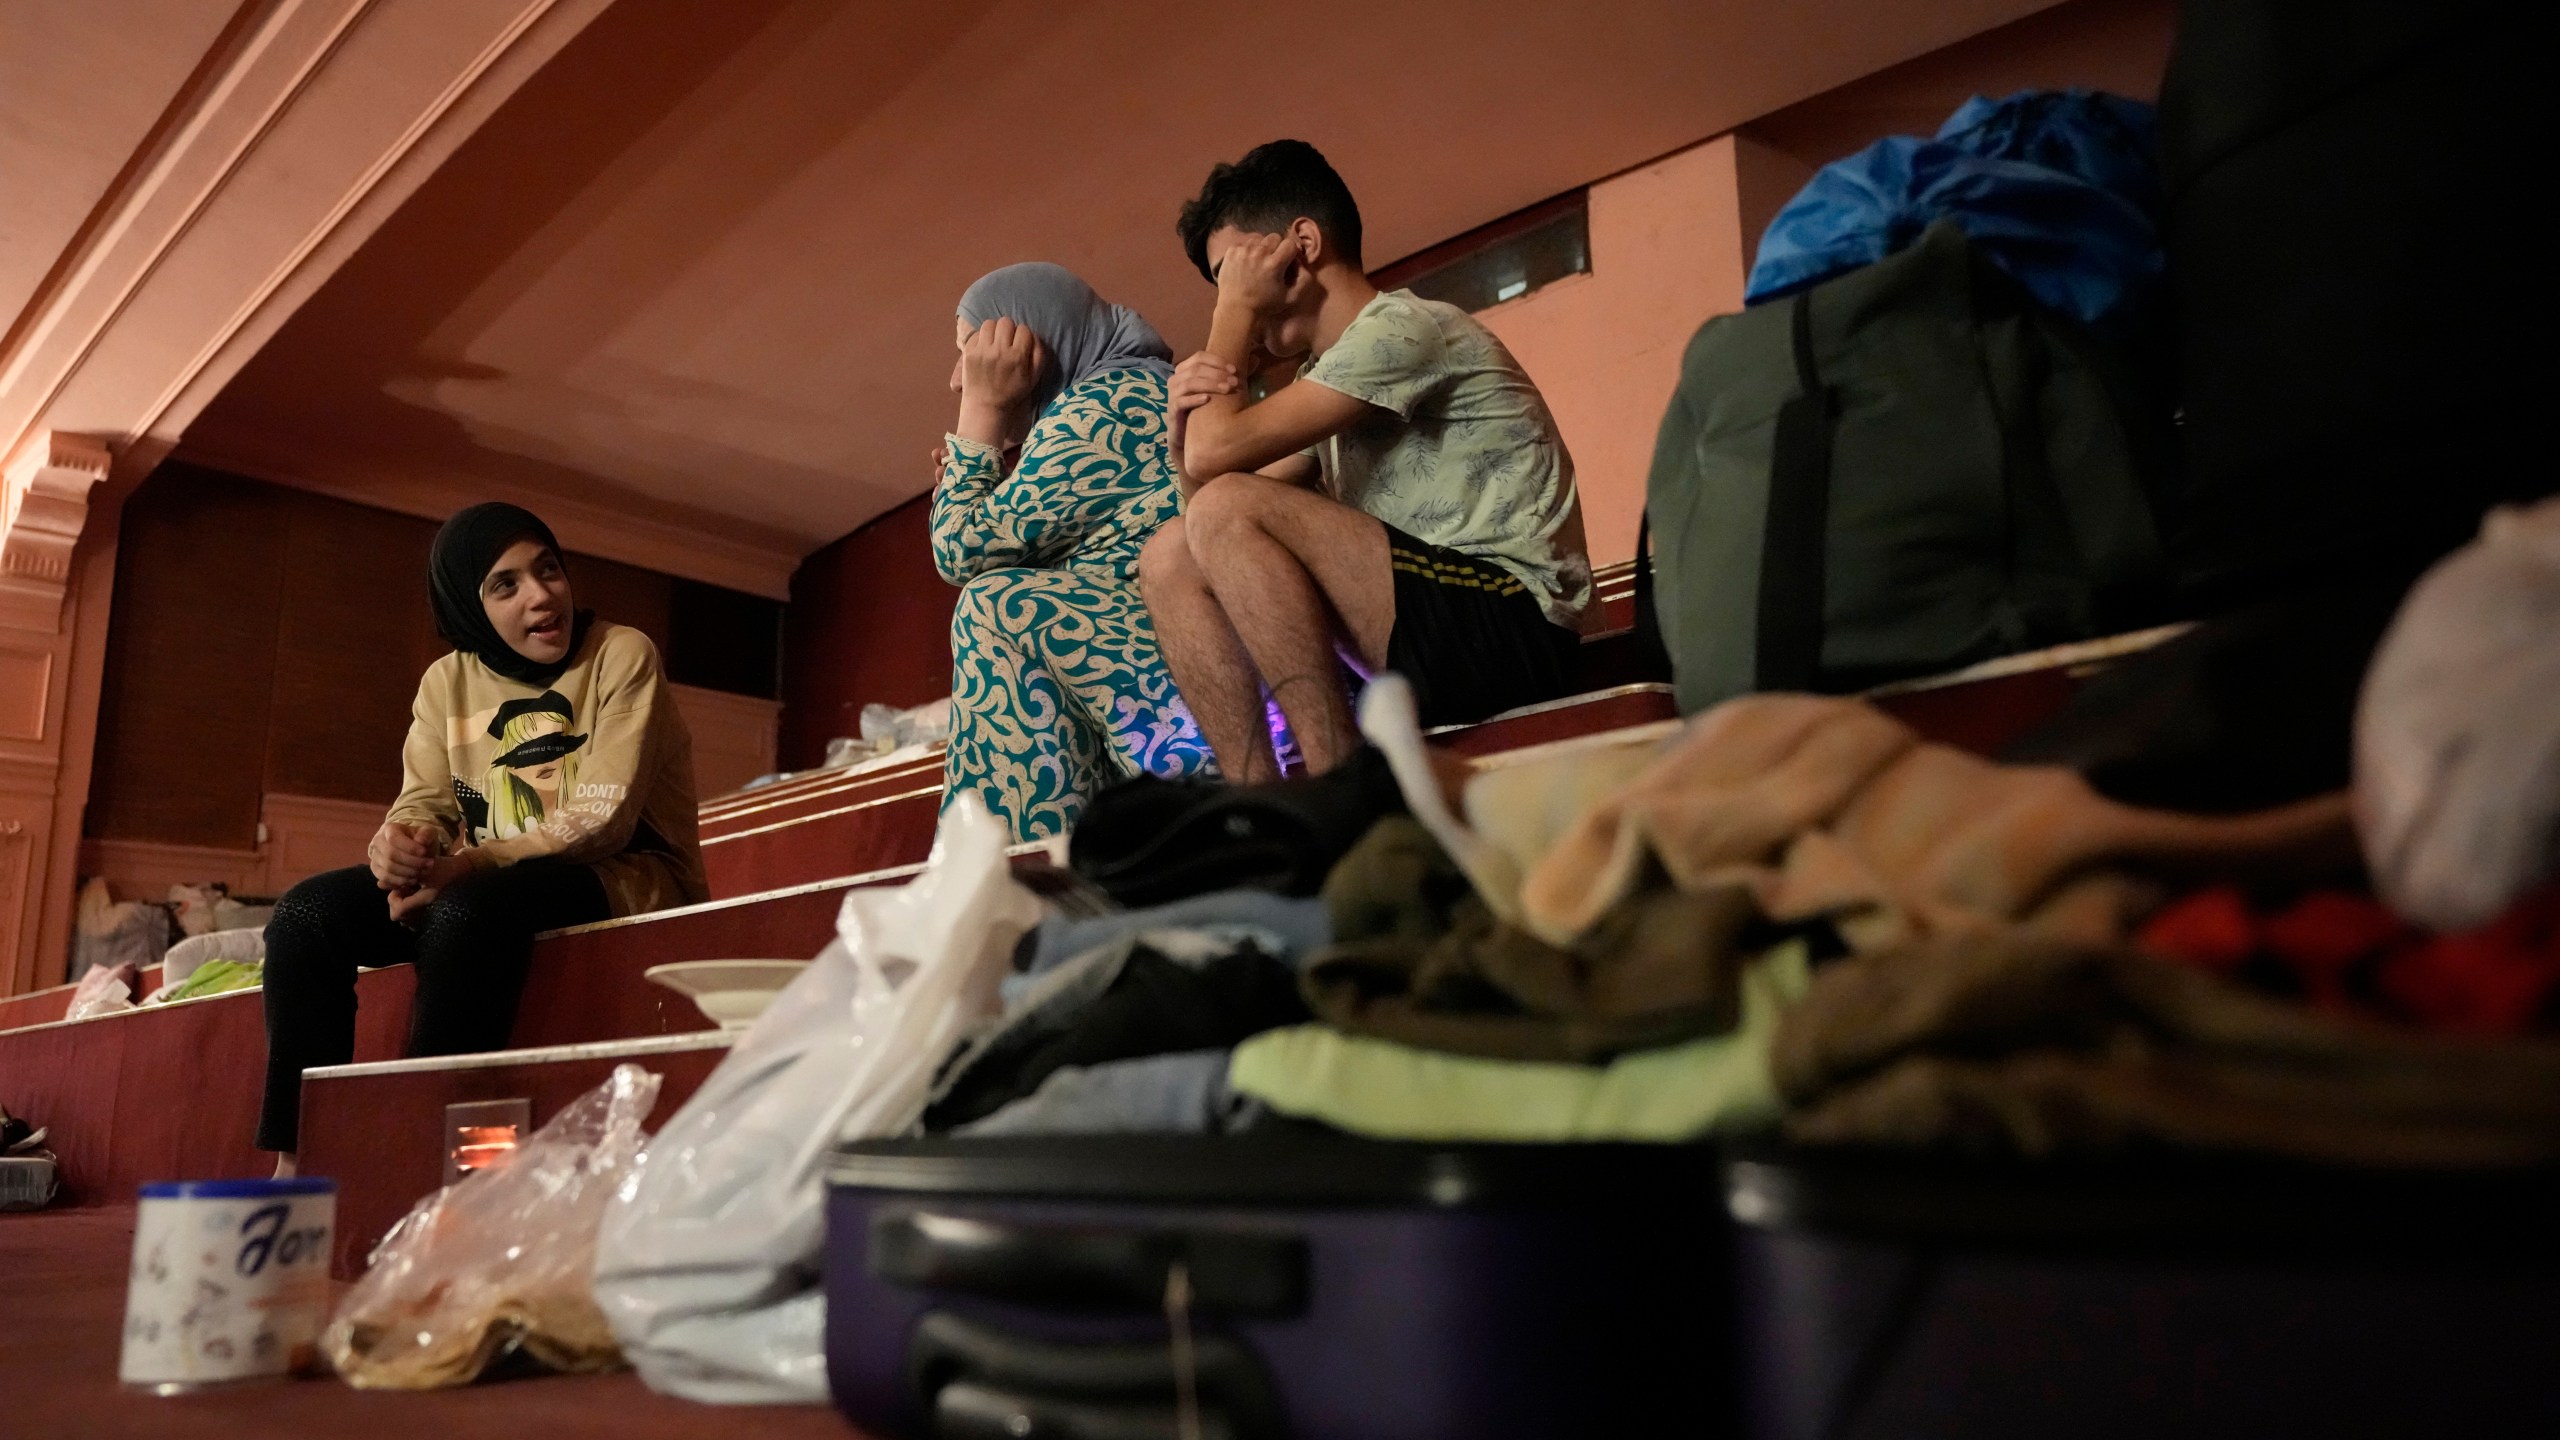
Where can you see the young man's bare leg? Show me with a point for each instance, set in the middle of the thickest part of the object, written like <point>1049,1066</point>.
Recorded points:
<point>1293,572</point>
<point>1209,662</point>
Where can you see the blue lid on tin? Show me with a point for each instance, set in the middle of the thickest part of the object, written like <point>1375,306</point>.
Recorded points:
<point>238,1189</point>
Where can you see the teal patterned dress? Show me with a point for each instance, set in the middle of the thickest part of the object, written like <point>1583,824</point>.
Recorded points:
<point>1057,685</point>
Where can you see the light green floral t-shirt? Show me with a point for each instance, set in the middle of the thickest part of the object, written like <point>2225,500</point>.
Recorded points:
<point>1460,450</point>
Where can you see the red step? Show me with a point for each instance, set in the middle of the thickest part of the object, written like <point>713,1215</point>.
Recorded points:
<point>43,1007</point>
<point>1620,707</point>
<point>833,790</point>
<point>837,824</point>
<point>587,982</point>
<point>716,805</point>
<point>167,1092</point>
<point>862,835</point>
<point>379,1129</point>
<point>1982,708</point>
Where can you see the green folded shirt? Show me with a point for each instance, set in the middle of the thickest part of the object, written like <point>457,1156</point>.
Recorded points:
<point>1679,1092</point>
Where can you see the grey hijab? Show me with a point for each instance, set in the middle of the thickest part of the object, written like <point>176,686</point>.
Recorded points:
<point>1086,334</point>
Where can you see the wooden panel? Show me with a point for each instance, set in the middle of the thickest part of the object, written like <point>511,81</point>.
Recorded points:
<point>26,683</point>
<point>26,826</point>
<point>307,834</point>
<point>145,869</point>
<point>733,736</point>
<point>870,621</point>
<point>354,597</point>
<point>190,666</point>
<point>623,594</point>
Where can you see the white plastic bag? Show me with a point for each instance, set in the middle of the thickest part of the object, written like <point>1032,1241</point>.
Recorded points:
<point>500,1262</point>
<point>891,728</point>
<point>107,933</point>
<point>2457,741</point>
<point>103,990</point>
<point>193,907</point>
<point>706,1265</point>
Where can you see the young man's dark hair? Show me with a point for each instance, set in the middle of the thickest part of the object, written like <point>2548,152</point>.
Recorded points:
<point>1272,185</point>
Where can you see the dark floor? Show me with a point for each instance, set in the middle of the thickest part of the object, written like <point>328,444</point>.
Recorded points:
<point>62,1280</point>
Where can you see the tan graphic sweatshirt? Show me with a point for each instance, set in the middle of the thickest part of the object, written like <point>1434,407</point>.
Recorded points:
<point>594,768</point>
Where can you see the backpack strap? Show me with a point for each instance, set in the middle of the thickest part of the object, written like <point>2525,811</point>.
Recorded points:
<point>1651,650</point>
<point>1788,652</point>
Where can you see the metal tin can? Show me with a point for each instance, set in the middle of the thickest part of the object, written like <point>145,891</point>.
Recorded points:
<point>230,1281</point>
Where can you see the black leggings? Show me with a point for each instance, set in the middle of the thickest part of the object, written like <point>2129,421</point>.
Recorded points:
<point>471,951</point>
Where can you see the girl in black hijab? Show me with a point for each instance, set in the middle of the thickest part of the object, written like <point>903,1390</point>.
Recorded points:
<point>548,782</point>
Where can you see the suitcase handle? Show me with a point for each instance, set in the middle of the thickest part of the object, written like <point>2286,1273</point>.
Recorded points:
<point>1787,634</point>
<point>976,1380</point>
<point>1093,1268</point>
<point>968,1411</point>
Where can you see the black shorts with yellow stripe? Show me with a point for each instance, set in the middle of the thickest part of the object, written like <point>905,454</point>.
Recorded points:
<point>1468,636</point>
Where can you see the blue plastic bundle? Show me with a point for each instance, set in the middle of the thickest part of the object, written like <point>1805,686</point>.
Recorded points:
<point>2059,188</point>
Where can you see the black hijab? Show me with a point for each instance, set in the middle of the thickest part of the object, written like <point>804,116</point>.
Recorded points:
<point>465,550</point>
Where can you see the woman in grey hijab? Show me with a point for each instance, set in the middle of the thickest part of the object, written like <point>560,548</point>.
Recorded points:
<point>1057,685</point>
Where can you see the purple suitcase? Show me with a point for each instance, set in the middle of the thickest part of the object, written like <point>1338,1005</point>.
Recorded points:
<point>1338,1288</point>
<point>1912,1297</point>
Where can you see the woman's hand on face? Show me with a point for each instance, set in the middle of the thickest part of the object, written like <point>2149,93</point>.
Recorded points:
<point>400,854</point>
<point>1195,383</point>
<point>1000,365</point>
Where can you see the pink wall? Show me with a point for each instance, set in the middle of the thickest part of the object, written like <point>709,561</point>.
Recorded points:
<point>1666,253</point>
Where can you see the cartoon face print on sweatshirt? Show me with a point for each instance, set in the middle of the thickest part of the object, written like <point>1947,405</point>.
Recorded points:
<point>532,773</point>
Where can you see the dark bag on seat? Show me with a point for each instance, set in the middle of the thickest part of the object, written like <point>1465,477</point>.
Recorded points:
<point>1901,471</point>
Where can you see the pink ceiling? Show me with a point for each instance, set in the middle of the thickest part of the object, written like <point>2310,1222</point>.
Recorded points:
<point>81,84</point>
<point>704,264</point>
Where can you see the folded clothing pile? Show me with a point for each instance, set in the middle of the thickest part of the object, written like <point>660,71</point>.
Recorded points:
<point>1795,904</point>
<point>1122,1022</point>
<point>1606,946</point>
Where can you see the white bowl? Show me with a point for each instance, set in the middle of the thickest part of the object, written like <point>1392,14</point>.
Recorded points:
<point>730,993</point>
